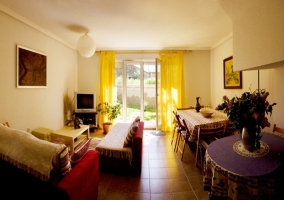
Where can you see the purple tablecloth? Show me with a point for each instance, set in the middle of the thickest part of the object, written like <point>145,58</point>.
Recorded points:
<point>222,153</point>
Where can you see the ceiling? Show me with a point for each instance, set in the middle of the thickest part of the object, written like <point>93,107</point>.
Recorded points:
<point>127,24</point>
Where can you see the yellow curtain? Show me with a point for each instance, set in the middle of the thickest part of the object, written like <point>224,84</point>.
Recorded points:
<point>107,81</point>
<point>172,86</point>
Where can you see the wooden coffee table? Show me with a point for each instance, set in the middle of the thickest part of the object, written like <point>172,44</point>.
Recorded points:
<point>71,136</point>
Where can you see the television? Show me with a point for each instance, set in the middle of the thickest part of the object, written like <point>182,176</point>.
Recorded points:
<point>85,102</point>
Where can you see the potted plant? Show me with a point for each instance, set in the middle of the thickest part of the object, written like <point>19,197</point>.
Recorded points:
<point>111,111</point>
<point>247,113</point>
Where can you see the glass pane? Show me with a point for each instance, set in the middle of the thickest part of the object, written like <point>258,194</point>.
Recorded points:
<point>133,91</point>
<point>119,83</point>
<point>150,95</point>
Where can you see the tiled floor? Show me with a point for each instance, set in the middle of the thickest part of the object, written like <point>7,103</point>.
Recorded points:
<point>164,176</point>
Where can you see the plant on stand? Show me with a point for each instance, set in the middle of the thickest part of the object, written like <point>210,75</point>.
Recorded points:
<point>111,111</point>
<point>248,114</point>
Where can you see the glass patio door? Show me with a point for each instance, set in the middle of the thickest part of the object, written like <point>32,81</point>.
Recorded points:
<point>132,96</point>
<point>138,90</point>
<point>158,87</point>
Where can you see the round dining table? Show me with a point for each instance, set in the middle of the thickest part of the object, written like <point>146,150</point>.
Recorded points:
<point>232,172</point>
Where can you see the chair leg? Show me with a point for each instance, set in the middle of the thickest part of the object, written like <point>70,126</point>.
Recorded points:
<point>177,140</point>
<point>183,145</point>
<point>173,137</point>
<point>196,156</point>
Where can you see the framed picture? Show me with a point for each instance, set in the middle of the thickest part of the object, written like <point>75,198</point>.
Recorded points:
<point>232,79</point>
<point>31,68</point>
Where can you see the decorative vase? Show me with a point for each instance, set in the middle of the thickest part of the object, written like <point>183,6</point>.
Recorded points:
<point>197,106</point>
<point>247,140</point>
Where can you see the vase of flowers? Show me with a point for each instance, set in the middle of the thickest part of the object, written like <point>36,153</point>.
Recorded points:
<point>248,114</point>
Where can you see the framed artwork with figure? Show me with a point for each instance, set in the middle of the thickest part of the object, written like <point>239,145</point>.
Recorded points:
<point>31,68</point>
<point>232,79</point>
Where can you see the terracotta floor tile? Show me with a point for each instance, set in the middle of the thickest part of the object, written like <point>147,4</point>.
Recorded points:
<point>189,195</point>
<point>160,186</point>
<point>141,185</point>
<point>163,196</point>
<point>138,196</point>
<point>180,185</point>
<point>158,173</point>
<point>157,163</point>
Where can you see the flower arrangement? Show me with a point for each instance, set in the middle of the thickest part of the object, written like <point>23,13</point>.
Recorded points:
<point>249,111</point>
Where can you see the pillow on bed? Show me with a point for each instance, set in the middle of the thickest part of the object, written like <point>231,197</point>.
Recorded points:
<point>80,151</point>
<point>131,132</point>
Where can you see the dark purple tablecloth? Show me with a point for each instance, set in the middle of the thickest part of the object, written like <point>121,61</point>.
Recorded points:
<point>222,153</point>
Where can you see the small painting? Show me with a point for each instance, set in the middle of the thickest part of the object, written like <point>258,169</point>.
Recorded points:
<point>31,68</point>
<point>232,79</point>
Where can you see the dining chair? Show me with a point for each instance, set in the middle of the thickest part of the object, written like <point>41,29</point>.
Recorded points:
<point>175,124</point>
<point>179,131</point>
<point>204,138</point>
<point>230,130</point>
<point>278,129</point>
<point>184,135</point>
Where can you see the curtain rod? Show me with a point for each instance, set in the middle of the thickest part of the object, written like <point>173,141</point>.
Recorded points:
<point>141,51</point>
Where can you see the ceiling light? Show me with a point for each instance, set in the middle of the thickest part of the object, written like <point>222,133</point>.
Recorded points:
<point>86,46</point>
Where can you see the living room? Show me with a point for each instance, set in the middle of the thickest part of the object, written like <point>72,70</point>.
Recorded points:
<point>30,108</point>
<point>67,70</point>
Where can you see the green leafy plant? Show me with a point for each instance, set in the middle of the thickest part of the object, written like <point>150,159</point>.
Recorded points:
<point>110,110</point>
<point>249,111</point>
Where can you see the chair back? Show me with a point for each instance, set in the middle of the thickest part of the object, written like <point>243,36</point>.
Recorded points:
<point>181,127</point>
<point>217,132</point>
<point>186,108</point>
<point>188,132</point>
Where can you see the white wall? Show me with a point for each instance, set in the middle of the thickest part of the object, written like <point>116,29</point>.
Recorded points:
<point>32,108</point>
<point>268,81</point>
<point>197,77</point>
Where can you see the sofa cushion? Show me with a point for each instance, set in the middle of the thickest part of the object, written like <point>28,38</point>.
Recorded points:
<point>62,162</point>
<point>137,119</point>
<point>80,151</point>
<point>131,132</point>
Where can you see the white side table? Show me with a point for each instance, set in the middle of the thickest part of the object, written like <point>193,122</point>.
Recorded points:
<point>71,136</point>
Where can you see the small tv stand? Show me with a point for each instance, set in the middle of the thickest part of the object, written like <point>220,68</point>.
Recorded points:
<point>88,118</point>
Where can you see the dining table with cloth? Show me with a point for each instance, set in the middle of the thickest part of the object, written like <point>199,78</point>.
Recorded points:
<point>232,172</point>
<point>195,119</point>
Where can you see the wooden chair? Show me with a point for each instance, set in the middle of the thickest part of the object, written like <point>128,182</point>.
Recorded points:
<point>230,130</point>
<point>278,129</point>
<point>175,124</point>
<point>179,130</point>
<point>204,138</point>
<point>184,135</point>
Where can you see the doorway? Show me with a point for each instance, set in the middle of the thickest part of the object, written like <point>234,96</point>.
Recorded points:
<point>137,85</point>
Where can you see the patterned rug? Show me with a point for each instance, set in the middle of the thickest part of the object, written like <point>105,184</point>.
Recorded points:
<point>95,141</point>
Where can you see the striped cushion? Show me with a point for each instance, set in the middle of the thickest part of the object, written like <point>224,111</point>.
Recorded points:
<point>137,119</point>
<point>80,151</point>
<point>63,163</point>
<point>131,132</point>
